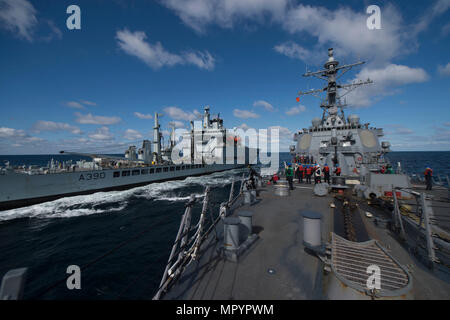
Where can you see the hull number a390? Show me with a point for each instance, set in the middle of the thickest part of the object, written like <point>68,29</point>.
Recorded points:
<point>92,176</point>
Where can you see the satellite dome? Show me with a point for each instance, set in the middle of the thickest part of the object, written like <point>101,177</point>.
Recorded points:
<point>316,122</point>
<point>353,119</point>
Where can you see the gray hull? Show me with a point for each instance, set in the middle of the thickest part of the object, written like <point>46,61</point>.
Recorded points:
<point>19,190</point>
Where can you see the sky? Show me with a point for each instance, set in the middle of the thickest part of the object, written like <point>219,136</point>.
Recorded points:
<point>97,88</point>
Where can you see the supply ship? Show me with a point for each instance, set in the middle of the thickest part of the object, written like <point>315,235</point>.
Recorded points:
<point>202,150</point>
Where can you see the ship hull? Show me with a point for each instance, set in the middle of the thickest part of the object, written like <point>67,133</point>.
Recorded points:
<point>20,190</point>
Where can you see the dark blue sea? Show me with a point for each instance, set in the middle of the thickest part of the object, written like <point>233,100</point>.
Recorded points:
<point>120,239</point>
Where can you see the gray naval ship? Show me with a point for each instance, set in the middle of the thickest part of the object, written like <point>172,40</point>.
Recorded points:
<point>202,150</point>
<point>367,234</point>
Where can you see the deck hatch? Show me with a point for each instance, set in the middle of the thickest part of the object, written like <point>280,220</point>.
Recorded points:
<point>350,261</point>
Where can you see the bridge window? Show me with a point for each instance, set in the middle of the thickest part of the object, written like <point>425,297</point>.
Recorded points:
<point>136,172</point>
<point>125,173</point>
<point>152,170</point>
<point>158,170</point>
<point>144,171</point>
<point>178,168</point>
<point>166,169</point>
<point>116,174</point>
<point>172,168</point>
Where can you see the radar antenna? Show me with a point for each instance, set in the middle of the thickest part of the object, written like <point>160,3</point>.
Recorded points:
<point>331,73</point>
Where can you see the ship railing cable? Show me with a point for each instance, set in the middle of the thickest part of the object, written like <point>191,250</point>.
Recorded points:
<point>184,257</point>
<point>428,219</point>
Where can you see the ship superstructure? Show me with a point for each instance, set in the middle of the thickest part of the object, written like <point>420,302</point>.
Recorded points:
<point>335,139</point>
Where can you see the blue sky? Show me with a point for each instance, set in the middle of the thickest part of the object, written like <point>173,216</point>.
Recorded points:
<point>96,89</point>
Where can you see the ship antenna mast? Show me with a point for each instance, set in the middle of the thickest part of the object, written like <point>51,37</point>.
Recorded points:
<point>331,73</point>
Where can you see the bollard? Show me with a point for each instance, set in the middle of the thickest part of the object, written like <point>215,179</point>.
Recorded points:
<point>231,233</point>
<point>247,197</point>
<point>312,230</point>
<point>253,193</point>
<point>259,183</point>
<point>246,222</point>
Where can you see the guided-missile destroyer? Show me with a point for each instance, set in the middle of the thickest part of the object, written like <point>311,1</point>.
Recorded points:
<point>365,233</point>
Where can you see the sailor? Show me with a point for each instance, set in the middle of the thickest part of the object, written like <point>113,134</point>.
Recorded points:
<point>252,177</point>
<point>308,174</point>
<point>389,169</point>
<point>428,177</point>
<point>290,176</point>
<point>326,173</point>
<point>383,169</point>
<point>301,173</point>
<point>274,178</point>
<point>317,174</point>
<point>337,170</point>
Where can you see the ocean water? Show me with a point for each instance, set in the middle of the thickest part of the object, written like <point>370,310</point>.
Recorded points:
<point>120,239</point>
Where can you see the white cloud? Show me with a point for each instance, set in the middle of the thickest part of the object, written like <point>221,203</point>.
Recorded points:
<point>444,70</point>
<point>437,9</point>
<point>346,31</point>
<point>74,104</point>
<point>293,50</point>
<point>397,129</point>
<point>143,116</point>
<point>91,119</point>
<point>55,126</point>
<point>197,14</point>
<point>155,56</point>
<point>179,114</point>
<point>11,133</point>
<point>385,80</point>
<point>18,16</point>
<point>244,114</point>
<point>244,126</point>
<point>10,137</point>
<point>101,134</point>
<point>197,114</point>
<point>131,134</point>
<point>177,124</point>
<point>89,103</point>
<point>445,29</point>
<point>203,60</point>
<point>296,110</point>
<point>283,131</point>
<point>55,32</point>
<point>264,104</point>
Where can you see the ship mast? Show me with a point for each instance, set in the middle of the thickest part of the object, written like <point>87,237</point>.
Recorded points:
<point>332,104</point>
